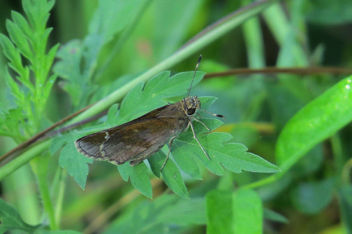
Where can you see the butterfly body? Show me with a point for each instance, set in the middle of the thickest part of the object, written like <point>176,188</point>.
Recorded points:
<point>140,138</point>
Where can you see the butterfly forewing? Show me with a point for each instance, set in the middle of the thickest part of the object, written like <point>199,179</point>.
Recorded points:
<point>136,140</point>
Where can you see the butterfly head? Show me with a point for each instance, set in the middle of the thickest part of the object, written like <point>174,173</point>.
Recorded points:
<point>190,105</point>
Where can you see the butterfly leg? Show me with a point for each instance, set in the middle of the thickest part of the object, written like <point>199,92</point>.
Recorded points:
<point>167,157</point>
<point>201,123</point>
<point>195,137</point>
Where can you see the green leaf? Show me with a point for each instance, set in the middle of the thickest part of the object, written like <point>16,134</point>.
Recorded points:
<point>22,23</point>
<point>71,159</point>
<point>49,58</point>
<point>11,53</point>
<point>79,59</point>
<point>167,212</point>
<point>313,197</point>
<point>139,177</point>
<point>19,39</point>
<point>49,84</point>
<point>184,212</point>
<point>111,17</point>
<point>229,212</point>
<point>248,209</point>
<point>171,174</point>
<point>144,98</point>
<point>232,156</point>
<point>172,28</point>
<point>11,220</point>
<point>69,68</point>
<point>274,216</point>
<point>38,13</point>
<point>330,12</point>
<point>345,202</point>
<point>10,122</point>
<point>15,89</point>
<point>315,122</point>
<point>219,208</point>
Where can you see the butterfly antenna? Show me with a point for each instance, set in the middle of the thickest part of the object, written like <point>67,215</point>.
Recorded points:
<point>194,75</point>
<point>216,115</point>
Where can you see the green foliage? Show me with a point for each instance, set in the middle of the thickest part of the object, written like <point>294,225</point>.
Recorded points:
<point>229,212</point>
<point>344,195</point>
<point>28,39</point>
<point>315,122</point>
<point>11,220</point>
<point>331,13</point>
<point>300,122</point>
<point>152,217</point>
<point>79,58</point>
<point>143,99</point>
<point>313,197</point>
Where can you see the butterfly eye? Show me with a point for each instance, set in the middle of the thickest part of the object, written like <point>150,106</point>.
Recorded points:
<point>191,111</point>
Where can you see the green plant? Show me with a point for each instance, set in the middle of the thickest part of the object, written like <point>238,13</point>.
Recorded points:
<point>113,63</point>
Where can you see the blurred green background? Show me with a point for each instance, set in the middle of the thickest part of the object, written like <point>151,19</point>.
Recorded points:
<point>294,33</point>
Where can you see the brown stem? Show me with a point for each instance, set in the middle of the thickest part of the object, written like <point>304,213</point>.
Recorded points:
<point>290,70</point>
<point>41,134</point>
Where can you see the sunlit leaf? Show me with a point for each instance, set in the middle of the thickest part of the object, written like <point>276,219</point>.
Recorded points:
<point>315,122</point>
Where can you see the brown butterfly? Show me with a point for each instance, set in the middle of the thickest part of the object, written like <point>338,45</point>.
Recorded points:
<point>140,138</point>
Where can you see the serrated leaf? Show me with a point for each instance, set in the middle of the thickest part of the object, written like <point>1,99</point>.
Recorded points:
<point>11,220</point>
<point>232,156</point>
<point>318,120</point>
<point>141,99</point>
<point>37,13</point>
<point>10,123</point>
<point>50,57</point>
<point>19,39</point>
<point>103,27</point>
<point>139,177</point>
<point>112,113</point>
<point>185,150</point>
<point>15,90</point>
<point>69,68</point>
<point>11,53</point>
<point>171,174</point>
<point>22,24</point>
<point>71,159</point>
<point>49,84</point>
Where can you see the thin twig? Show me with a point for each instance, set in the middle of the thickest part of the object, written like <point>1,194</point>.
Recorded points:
<point>41,134</point>
<point>290,70</point>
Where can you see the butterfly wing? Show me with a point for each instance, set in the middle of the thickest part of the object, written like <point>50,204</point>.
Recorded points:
<point>138,141</point>
<point>128,142</point>
<point>90,145</point>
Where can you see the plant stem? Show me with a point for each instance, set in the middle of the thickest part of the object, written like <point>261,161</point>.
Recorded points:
<point>40,169</point>
<point>60,195</point>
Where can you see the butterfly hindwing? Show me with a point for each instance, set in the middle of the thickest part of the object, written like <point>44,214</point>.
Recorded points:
<point>137,142</point>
